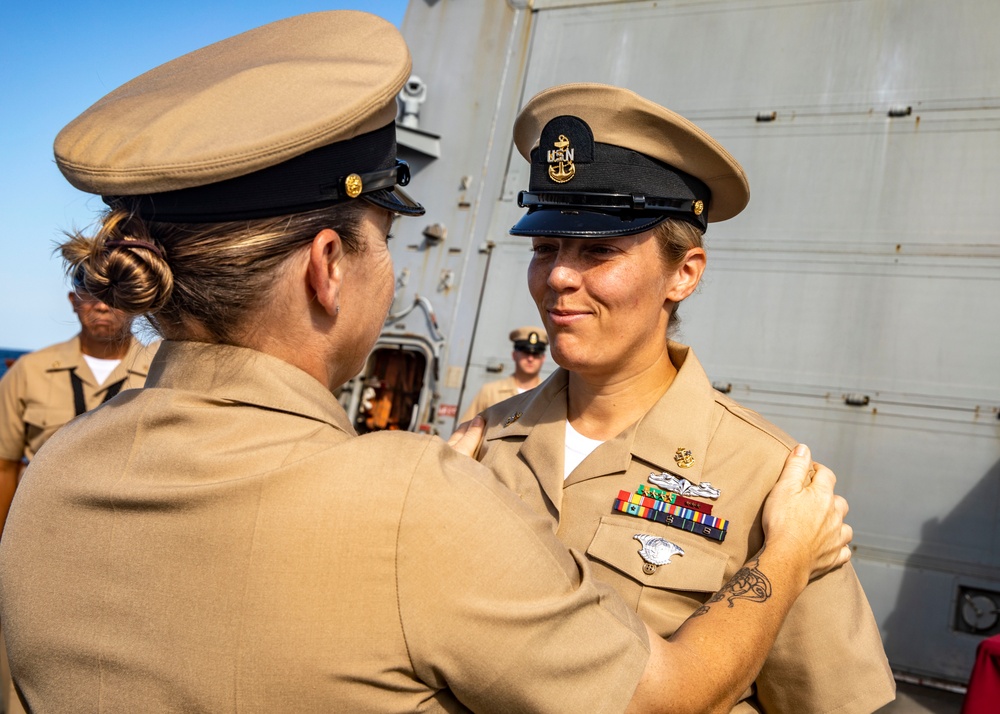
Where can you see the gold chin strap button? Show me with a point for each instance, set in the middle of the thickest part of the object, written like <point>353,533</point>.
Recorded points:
<point>353,185</point>
<point>698,207</point>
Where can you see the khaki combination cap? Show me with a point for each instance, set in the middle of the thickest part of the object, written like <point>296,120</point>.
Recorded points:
<point>529,339</point>
<point>287,117</point>
<point>605,161</point>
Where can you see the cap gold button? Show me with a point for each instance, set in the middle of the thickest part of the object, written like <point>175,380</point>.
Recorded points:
<point>353,186</point>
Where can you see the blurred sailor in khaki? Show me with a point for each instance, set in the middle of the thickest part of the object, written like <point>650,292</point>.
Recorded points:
<point>44,390</point>
<point>627,442</point>
<point>529,356</point>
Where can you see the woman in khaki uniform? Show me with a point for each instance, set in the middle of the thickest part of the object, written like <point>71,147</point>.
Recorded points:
<point>628,443</point>
<point>222,540</point>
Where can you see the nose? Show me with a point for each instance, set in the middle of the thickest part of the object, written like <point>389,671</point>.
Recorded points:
<point>563,275</point>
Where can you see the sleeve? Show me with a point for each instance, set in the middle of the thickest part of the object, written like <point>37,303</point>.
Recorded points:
<point>494,608</point>
<point>828,656</point>
<point>12,391</point>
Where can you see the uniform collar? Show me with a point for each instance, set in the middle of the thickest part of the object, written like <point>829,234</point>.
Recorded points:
<point>245,376</point>
<point>68,356</point>
<point>539,416</point>
<point>683,418</point>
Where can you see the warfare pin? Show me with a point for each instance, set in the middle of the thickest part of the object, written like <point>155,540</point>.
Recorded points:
<point>656,551</point>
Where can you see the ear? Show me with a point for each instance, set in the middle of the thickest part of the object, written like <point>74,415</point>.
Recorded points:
<point>687,275</point>
<point>326,272</point>
<point>74,300</point>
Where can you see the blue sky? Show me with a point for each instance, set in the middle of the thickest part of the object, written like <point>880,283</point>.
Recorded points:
<point>56,59</point>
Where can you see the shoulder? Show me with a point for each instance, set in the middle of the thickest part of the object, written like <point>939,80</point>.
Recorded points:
<point>35,364</point>
<point>499,385</point>
<point>140,356</point>
<point>53,356</point>
<point>751,424</point>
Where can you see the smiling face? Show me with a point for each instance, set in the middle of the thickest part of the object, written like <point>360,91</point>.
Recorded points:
<point>606,302</point>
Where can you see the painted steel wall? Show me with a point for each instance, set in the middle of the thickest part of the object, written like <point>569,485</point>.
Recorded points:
<point>867,264</point>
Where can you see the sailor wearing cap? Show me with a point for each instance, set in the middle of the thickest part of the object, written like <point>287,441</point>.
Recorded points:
<point>529,356</point>
<point>628,440</point>
<point>223,541</point>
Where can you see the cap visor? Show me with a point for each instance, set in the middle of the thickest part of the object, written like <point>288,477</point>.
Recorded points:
<point>396,200</point>
<point>583,224</point>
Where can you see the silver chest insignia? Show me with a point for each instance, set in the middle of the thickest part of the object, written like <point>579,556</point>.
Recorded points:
<point>683,486</point>
<point>656,551</point>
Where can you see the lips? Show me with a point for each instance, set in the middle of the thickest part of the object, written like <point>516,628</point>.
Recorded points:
<point>562,317</point>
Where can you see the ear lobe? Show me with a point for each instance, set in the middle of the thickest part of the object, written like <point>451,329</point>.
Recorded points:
<point>326,272</point>
<point>687,275</point>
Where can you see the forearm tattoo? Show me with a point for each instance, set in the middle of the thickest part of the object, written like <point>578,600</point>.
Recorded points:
<point>749,583</point>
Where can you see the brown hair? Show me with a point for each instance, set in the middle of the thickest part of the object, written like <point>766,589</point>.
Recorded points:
<point>675,238</point>
<point>198,281</point>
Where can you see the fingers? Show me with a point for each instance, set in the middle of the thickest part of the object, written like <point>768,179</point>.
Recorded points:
<point>460,431</point>
<point>797,467</point>
<point>465,440</point>
<point>823,479</point>
<point>844,555</point>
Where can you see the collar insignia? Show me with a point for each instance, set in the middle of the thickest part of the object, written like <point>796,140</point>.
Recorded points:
<point>684,458</point>
<point>511,419</point>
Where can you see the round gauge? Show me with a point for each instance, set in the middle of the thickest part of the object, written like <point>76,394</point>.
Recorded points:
<point>980,612</point>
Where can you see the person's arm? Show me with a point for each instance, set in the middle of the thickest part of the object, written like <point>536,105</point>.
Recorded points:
<point>9,471</point>
<point>707,664</point>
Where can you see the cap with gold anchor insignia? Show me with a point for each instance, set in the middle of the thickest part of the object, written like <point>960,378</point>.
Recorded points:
<point>607,162</point>
<point>530,340</point>
<point>291,116</point>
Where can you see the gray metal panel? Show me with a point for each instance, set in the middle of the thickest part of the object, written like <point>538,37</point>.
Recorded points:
<point>472,56</point>
<point>506,305</point>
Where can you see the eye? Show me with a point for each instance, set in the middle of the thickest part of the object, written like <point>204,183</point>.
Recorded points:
<point>601,249</point>
<point>543,248</point>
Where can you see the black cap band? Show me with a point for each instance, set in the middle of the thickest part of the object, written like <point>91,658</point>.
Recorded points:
<point>362,167</point>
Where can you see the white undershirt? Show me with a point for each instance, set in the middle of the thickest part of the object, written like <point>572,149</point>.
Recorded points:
<point>102,368</point>
<point>578,447</point>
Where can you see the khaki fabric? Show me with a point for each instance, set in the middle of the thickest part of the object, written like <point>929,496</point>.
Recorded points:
<point>239,105</point>
<point>36,394</point>
<point>489,394</point>
<point>222,541</point>
<point>828,656</point>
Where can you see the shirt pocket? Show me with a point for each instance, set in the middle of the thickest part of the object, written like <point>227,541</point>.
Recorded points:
<point>41,422</point>
<point>701,569</point>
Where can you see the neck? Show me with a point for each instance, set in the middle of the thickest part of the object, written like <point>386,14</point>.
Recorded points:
<point>603,408</point>
<point>105,349</point>
<point>526,381</point>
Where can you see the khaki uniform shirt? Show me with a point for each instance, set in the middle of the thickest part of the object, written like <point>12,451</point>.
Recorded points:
<point>36,393</point>
<point>491,393</point>
<point>222,541</point>
<point>828,656</point>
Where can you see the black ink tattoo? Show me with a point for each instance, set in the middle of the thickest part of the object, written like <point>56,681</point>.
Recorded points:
<point>749,583</point>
